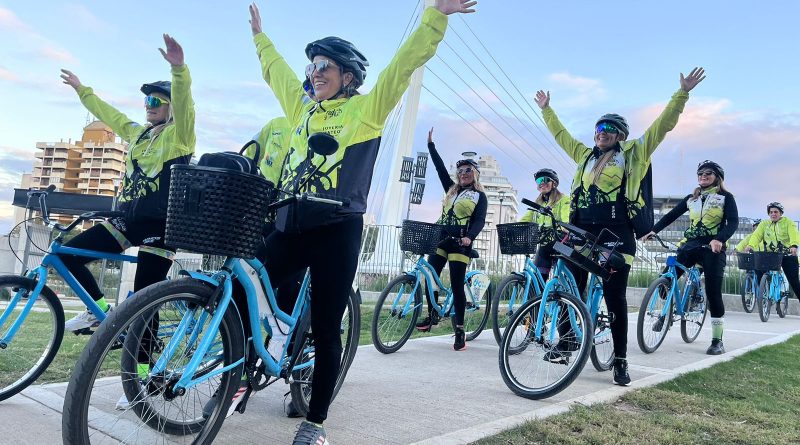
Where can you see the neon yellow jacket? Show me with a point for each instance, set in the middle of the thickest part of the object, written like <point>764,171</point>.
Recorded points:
<point>637,152</point>
<point>743,243</point>
<point>560,211</point>
<point>146,183</point>
<point>274,142</point>
<point>356,122</point>
<point>769,235</point>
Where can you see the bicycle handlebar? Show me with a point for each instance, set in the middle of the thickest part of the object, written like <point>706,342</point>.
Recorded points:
<point>307,197</point>
<point>42,195</point>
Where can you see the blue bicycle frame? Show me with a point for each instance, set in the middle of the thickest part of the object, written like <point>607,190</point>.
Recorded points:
<point>40,275</point>
<point>533,279</point>
<point>692,279</point>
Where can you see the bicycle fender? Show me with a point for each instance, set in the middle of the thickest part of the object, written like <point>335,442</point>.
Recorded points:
<point>199,276</point>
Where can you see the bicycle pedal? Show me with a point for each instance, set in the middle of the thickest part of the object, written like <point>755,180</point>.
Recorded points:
<point>83,331</point>
<point>243,404</point>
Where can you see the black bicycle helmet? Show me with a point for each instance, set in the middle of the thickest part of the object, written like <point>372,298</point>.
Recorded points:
<point>756,222</point>
<point>718,170</point>
<point>471,162</point>
<point>617,121</point>
<point>343,53</point>
<point>162,86</point>
<point>777,205</point>
<point>546,173</point>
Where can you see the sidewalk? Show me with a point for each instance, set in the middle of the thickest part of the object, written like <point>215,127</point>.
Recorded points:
<point>426,393</point>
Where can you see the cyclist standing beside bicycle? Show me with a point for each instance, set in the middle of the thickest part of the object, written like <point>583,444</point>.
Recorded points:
<point>713,218</point>
<point>319,236</point>
<point>551,197</point>
<point>779,234</point>
<point>464,214</point>
<point>606,195</point>
<point>168,138</point>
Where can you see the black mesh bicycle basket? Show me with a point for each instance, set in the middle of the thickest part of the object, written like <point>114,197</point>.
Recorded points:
<point>765,261</point>
<point>420,237</point>
<point>745,260</point>
<point>216,211</point>
<point>518,238</point>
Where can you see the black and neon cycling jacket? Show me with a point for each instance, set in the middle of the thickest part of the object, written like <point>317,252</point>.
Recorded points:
<point>712,216</point>
<point>356,122</point>
<point>145,186</point>
<point>615,196</point>
<point>465,212</point>
<point>774,236</point>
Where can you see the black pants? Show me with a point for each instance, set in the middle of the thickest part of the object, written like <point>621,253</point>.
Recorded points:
<point>790,268</point>
<point>458,272</point>
<point>614,288</point>
<point>150,267</point>
<point>331,253</point>
<point>713,269</point>
<point>544,259</point>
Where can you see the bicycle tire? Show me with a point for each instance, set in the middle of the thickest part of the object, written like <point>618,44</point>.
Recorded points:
<point>475,317</point>
<point>692,321</point>
<point>782,306</point>
<point>601,355</point>
<point>500,319</point>
<point>11,356</point>
<point>748,293</point>
<point>647,321</point>
<point>300,387</point>
<point>141,309</point>
<point>517,341</point>
<point>383,319</point>
<point>764,300</point>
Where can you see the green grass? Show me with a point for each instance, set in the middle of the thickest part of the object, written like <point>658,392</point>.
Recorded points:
<point>752,399</point>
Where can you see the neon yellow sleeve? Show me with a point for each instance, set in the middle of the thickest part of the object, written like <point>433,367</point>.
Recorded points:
<point>120,124</point>
<point>574,148</point>
<point>757,237</point>
<point>182,113</point>
<point>527,217</point>
<point>280,78</point>
<point>647,144</point>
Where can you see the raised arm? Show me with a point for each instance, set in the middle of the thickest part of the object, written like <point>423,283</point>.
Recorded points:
<point>276,72</point>
<point>441,169</point>
<point>574,148</point>
<point>182,103</point>
<point>120,124</point>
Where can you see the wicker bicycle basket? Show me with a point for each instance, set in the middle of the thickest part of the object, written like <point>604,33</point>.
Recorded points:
<point>765,261</point>
<point>420,237</point>
<point>518,238</point>
<point>745,260</point>
<point>216,211</point>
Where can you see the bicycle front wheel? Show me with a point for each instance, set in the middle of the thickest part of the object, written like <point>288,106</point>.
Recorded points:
<point>602,354</point>
<point>396,313</point>
<point>510,295</point>
<point>655,316</point>
<point>166,319</point>
<point>749,292</point>
<point>764,298</point>
<point>540,366</point>
<point>304,367</point>
<point>24,358</point>
<point>695,309</point>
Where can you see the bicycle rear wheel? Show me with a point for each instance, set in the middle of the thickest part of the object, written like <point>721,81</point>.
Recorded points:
<point>36,343</point>
<point>536,368</point>
<point>602,354</point>
<point>157,413</point>
<point>764,298</point>
<point>749,292</point>
<point>396,313</point>
<point>782,306</point>
<point>695,309</point>
<point>303,375</point>
<point>476,311</point>
<point>655,318</point>
<point>510,295</point>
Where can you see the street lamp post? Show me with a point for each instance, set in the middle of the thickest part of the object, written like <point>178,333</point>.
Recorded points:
<point>502,194</point>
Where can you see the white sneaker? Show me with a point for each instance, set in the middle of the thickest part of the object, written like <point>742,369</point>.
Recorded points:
<point>123,404</point>
<point>83,320</point>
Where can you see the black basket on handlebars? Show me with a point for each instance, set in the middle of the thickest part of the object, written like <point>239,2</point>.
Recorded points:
<point>216,211</point>
<point>420,237</point>
<point>518,238</point>
<point>766,261</point>
<point>588,253</point>
<point>745,260</point>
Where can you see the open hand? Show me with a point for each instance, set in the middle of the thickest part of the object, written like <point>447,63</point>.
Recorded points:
<point>542,99</point>
<point>255,19</point>
<point>696,76</point>
<point>174,52</point>
<point>453,6</point>
<point>70,79</point>
<point>430,136</point>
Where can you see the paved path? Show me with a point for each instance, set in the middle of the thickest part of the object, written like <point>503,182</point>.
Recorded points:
<point>426,393</point>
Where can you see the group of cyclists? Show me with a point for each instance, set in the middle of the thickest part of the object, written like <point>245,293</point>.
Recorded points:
<point>605,198</point>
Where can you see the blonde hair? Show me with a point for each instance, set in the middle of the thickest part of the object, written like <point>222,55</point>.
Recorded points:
<point>601,163</point>
<point>156,130</point>
<point>455,188</point>
<point>718,182</point>
<point>553,196</point>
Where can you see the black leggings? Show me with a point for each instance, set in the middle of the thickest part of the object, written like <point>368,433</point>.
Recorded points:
<point>331,252</point>
<point>458,271</point>
<point>614,288</point>
<point>713,269</point>
<point>789,264</point>
<point>544,259</point>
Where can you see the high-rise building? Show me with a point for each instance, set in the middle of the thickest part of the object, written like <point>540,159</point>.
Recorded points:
<point>502,208</point>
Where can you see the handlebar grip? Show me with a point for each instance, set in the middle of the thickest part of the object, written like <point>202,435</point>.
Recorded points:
<point>50,188</point>
<point>530,203</point>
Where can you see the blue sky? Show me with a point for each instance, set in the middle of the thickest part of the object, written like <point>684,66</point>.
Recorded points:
<point>614,56</point>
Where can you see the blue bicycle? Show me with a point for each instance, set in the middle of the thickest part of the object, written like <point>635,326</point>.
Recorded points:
<point>27,349</point>
<point>547,341</point>
<point>400,302</point>
<point>772,289</point>
<point>194,368</point>
<point>665,300</point>
<point>750,285</point>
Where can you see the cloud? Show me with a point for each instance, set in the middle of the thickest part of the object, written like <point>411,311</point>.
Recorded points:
<point>8,76</point>
<point>27,41</point>
<point>580,91</point>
